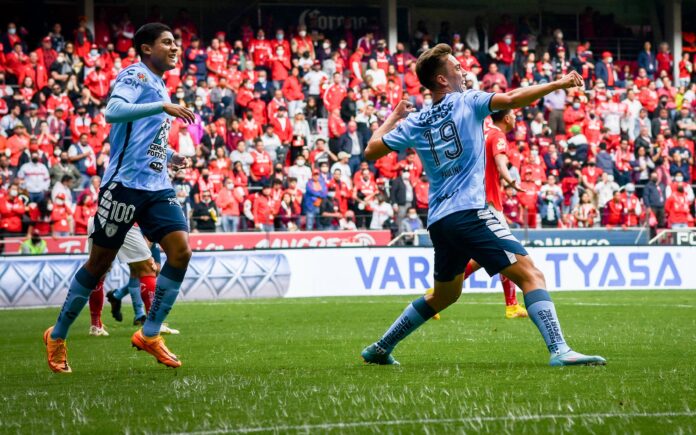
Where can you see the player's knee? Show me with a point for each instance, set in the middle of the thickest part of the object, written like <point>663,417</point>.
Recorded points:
<point>180,258</point>
<point>536,277</point>
<point>98,266</point>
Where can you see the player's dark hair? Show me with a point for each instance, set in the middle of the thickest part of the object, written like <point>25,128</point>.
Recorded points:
<point>430,63</point>
<point>148,34</point>
<point>500,114</point>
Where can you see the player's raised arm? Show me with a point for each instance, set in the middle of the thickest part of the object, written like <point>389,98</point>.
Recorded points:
<point>376,146</point>
<point>522,97</point>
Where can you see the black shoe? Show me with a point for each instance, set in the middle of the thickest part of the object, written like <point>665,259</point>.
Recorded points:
<point>140,321</point>
<point>115,306</point>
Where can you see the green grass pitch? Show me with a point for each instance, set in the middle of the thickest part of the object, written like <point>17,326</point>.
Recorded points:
<point>292,366</point>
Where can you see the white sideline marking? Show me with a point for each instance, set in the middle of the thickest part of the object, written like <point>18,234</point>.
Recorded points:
<point>510,418</point>
<point>300,301</point>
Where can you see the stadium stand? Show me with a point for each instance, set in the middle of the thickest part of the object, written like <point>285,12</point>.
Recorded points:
<point>283,118</point>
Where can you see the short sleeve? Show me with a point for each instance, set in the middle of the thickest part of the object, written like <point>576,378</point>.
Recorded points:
<point>499,145</point>
<point>398,139</point>
<point>479,101</point>
<point>129,85</point>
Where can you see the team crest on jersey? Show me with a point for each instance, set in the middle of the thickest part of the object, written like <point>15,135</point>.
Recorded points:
<point>110,229</point>
<point>142,77</point>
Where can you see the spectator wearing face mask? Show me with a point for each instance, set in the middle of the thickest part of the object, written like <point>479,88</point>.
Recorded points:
<point>677,209</point>
<point>37,180</point>
<point>381,212</point>
<point>34,245</point>
<point>11,211</point>
<point>550,197</point>
<point>329,212</point>
<point>504,54</point>
<point>229,205</point>
<point>61,217</point>
<point>679,180</point>
<point>261,166</point>
<point>314,193</point>
<point>63,188</point>
<point>205,213</point>
<point>410,224</point>
<point>300,172</point>
<point>654,200</point>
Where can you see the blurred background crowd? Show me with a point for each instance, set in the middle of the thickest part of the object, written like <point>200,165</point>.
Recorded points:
<point>283,116</point>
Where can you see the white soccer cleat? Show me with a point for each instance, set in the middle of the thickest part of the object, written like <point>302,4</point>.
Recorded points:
<point>165,329</point>
<point>96,331</point>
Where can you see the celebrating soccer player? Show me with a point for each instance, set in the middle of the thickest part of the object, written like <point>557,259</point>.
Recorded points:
<point>448,137</point>
<point>136,188</point>
<point>496,170</point>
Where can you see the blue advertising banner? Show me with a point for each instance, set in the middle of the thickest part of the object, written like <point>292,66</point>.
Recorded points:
<point>573,237</point>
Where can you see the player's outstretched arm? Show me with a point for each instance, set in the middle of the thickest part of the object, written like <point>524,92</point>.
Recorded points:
<point>375,146</point>
<point>522,97</point>
<point>118,110</point>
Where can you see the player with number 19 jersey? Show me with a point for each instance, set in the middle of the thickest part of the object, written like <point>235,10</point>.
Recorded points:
<point>139,148</point>
<point>449,140</point>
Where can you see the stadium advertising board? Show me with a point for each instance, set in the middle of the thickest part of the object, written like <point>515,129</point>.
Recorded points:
<point>575,237</point>
<point>232,241</point>
<point>43,280</point>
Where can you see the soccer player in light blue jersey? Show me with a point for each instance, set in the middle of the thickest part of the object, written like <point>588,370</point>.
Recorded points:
<point>448,137</point>
<point>136,188</point>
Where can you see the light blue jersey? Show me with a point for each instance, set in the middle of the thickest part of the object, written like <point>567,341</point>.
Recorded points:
<point>448,138</point>
<point>140,130</point>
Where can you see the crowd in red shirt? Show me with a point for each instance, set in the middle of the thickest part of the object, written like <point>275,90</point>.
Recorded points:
<point>283,117</point>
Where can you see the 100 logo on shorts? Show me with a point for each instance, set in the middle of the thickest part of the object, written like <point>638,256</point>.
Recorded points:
<point>111,211</point>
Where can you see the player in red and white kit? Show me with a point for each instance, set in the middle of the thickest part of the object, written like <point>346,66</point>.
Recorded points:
<point>502,123</point>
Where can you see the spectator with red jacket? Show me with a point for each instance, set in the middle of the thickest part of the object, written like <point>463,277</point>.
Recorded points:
<point>282,125</point>
<point>677,209</point>
<point>228,203</point>
<point>334,93</point>
<point>11,210</point>
<point>261,166</point>
<point>85,209</point>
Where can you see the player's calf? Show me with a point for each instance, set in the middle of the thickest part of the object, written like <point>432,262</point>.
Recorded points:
<point>542,312</point>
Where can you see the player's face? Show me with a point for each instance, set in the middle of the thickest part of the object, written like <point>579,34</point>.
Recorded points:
<point>164,52</point>
<point>455,75</point>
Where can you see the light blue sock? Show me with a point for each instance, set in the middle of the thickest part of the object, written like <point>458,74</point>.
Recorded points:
<point>168,284</point>
<point>415,314</point>
<point>543,313</point>
<point>81,286</point>
<point>136,299</point>
<point>121,292</point>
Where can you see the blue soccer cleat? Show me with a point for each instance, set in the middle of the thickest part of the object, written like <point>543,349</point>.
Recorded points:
<point>572,358</point>
<point>374,354</point>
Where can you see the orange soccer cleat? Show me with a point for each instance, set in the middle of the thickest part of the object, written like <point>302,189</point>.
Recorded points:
<point>57,353</point>
<point>155,346</point>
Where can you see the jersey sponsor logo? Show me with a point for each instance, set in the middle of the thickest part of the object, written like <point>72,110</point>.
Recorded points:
<point>436,113</point>
<point>110,229</point>
<point>158,147</point>
<point>130,82</point>
<point>446,196</point>
<point>156,166</point>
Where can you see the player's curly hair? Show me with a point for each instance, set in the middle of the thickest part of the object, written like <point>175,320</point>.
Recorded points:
<point>148,34</point>
<point>430,63</point>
